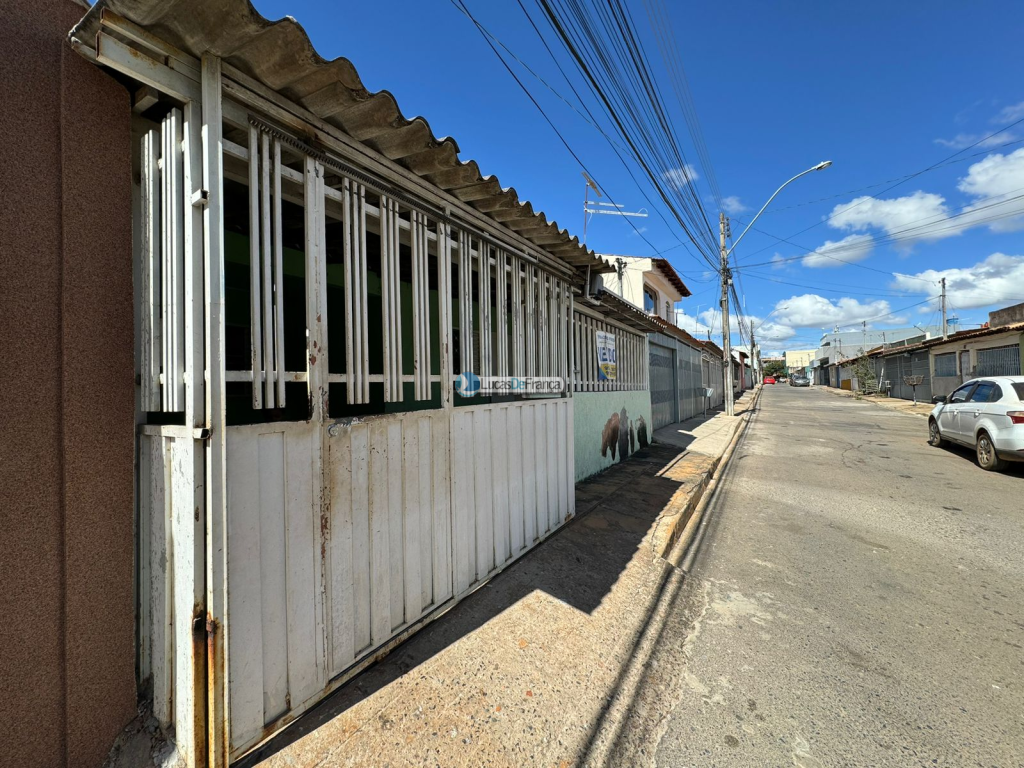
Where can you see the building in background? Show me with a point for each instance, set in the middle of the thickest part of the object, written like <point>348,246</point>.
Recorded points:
<point>798,361</point>
<point>843,345</point>
<point>649,283</point>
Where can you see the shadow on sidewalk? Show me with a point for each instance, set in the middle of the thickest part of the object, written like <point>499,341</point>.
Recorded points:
<point>577,566</point>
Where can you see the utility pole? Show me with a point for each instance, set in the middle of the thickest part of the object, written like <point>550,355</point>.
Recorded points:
<point>723,225</point>
<point>755,361</point>
<point>945,329</point>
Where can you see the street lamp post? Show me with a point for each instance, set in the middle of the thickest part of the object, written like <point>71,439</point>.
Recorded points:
<point>724,253</point>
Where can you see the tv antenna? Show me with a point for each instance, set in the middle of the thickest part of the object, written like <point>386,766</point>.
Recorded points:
<point>607,209</point>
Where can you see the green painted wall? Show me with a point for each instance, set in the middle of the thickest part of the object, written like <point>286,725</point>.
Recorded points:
<point>592,414</point>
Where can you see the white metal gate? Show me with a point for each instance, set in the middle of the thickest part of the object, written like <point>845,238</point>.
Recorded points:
<point>999,361</point>
<point>664,400</point>
<point>279,556</point>
<point>342,535</point>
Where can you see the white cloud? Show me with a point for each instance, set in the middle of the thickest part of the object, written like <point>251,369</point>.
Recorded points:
<point>996,180</point>
<point>999,279</point>
<point>779,261</point>
<point>1010,114</point>
<point>813,311</point>
<point>680,177</point>
<point>853,248</point>
<point>985,141</point>
<point>919,209</point>
<point>770,332</point>
<point>733,205</point>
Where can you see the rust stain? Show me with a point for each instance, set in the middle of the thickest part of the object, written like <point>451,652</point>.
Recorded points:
<point>312,359</point>
<point>498,708</point>
<point>529,694</point>
<point>199,678</point>
<point>215,672</point>
<point>523,642</point>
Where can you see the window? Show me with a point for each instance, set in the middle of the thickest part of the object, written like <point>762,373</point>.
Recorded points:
<point>945,365</point>
<point>984,391</point>
<point>650,301</point>
<point>962,394</point>
<point>1018,387</point>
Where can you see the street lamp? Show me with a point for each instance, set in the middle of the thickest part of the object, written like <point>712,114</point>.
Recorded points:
<point>724,254</point>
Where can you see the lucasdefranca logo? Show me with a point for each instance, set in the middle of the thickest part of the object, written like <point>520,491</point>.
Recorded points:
<point>468,384</point>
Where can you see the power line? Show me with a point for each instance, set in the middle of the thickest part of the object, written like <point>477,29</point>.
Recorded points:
<point>608,54</point>
<point>462,7</point>
<point>903,180</point>
<point>890,181</point>
<point>902,235</point>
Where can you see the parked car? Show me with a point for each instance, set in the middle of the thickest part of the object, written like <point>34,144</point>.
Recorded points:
<point>799,381</point>
<point>986,415</point>
<point>769,379</point>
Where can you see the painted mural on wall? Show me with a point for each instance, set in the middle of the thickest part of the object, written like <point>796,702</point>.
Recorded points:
<point>622,436</point>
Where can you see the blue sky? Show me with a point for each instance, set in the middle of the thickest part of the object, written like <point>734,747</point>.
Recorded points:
<point>883,90</point>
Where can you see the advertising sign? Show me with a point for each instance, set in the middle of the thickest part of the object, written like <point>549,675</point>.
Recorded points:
<point>607,361</point>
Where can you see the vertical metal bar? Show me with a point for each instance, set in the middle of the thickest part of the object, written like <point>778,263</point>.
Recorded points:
<point>501,312</point>
<point>358,385</point>
<point>572,347</point>
<point>255,312</point>
<point>363,325</point>
<point>348,259</point>
<point>193,245</point>
<point>316,305</point>
<point>150,274</point>
<point>267,284</point>
<point>532,321</point>
<point>397,351</point>
<point>421,305</point>
<point>387,260</point>
<point>279,366</point>
<point>176,227</point>
<point>466,301</point>
<point>444,306</point>
<point>217,623</point>
<point>165,277</point>
<point>484,299</point>
<point>515,359</point>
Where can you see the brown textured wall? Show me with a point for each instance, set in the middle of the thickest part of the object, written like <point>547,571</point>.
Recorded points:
<point>66,398</point>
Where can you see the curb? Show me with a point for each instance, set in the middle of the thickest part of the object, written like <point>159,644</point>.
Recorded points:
<point>680,524</point>
<point>880,403</point>
<point>615,718</point>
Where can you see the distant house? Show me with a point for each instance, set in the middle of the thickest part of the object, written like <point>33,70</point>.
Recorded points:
<point>649,283</point>
<point>798,361</point>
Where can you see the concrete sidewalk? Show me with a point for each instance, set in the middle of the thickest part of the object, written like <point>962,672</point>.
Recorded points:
<point>892,403</point>
<point>528,670</point>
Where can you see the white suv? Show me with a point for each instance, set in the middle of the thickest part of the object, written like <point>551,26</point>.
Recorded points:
<point>985,414</point>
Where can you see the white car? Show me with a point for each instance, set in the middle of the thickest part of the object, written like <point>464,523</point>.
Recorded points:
<point>986,414</point>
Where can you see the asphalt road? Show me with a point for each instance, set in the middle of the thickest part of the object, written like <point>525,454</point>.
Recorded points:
<point>858,600</point>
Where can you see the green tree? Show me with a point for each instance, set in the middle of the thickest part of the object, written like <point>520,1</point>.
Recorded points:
<point>775,368</point>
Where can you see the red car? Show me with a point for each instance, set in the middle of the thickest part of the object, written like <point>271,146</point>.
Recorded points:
<point>769,379</point>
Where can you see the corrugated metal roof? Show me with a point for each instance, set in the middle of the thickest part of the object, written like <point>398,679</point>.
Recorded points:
<point>627,313</point>
<point>954,338</point>
<point>279,55</point>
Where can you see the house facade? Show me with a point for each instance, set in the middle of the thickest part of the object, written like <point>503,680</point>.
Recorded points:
<point>991,351</point>
<point>318,284</point>
<point>649,283</point>
<point>799,361</point>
